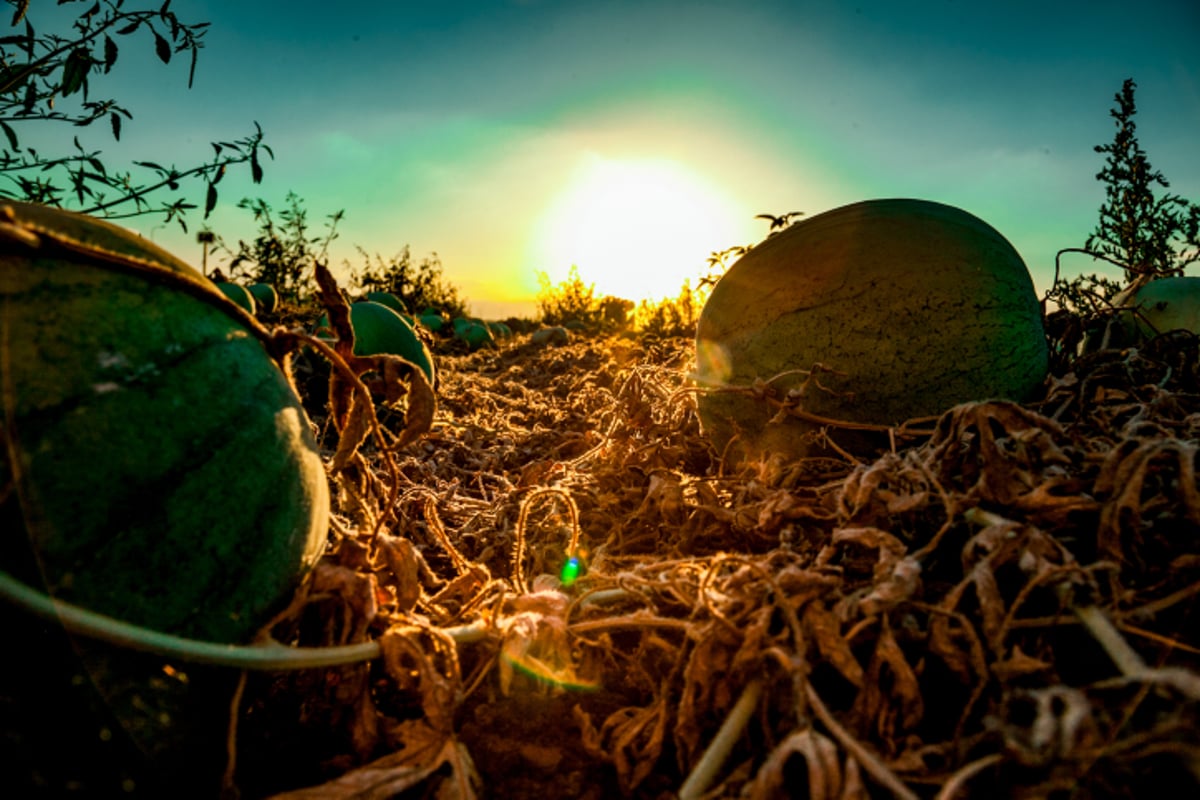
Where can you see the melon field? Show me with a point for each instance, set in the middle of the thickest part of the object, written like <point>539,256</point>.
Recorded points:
<point>570,594</point>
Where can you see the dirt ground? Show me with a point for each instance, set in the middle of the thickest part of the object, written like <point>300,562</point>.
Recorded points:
<point>1002,605</point>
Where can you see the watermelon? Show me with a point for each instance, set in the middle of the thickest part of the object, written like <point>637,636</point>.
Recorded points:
<point>238,294</point>
<point>476,334</point>
<point>265,296</point>
<point>379,330</point>
<point>163,471</point>
<point>387,299</point>
<point>1162,305</point>
<point>433,322</point>
<point>913,306</point>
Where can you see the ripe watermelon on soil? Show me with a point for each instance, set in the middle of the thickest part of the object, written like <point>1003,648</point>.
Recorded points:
<point>912,307</point>
<point>163,471</point>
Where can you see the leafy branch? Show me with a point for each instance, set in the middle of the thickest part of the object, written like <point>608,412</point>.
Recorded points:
<point>38,71</point>
<point>1147,234</point>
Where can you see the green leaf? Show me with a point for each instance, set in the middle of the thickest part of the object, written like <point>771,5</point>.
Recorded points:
<point>256,172</point>
<point>163,48</point>
<point>11,134</point>
<point>210,201</point>
<point>130,28</point>
<point>110,53</point>
<point>115,119</point>
<point>75,70</point>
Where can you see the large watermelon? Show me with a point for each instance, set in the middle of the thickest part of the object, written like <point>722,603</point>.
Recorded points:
<point>158,464</point>
<point>911,306</point>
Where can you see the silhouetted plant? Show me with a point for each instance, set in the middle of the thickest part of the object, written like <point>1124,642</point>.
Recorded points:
<point>671,316</point>
<point>614,313</point>
<point>570,300</point>
<point>419,285</point>
<point>1146,234</point>
<point>283,254</point>
<point>47,78</point>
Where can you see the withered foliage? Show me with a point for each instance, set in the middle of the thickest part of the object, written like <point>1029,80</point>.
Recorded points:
<point>1006,607</point>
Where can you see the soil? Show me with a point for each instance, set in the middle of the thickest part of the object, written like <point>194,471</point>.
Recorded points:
<point>1000,603</point>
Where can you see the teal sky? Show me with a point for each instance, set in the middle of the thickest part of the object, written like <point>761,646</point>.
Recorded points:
<point>482,131</point>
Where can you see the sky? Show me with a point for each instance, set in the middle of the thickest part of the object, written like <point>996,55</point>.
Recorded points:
<point>632,139</point>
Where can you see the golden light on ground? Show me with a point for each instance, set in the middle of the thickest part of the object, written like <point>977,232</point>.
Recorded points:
<point>636,228</point>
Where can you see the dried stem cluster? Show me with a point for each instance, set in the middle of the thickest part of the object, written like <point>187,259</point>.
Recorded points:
<point>1007,606</point>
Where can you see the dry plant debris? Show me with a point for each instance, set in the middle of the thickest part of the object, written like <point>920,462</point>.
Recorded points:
<point>1004,607</point>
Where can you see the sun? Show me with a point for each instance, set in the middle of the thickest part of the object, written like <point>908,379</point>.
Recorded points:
<point>636,228</point>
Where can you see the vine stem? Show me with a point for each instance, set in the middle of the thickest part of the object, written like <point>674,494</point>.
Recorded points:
<point>706,769</point>
<point>269,656</point>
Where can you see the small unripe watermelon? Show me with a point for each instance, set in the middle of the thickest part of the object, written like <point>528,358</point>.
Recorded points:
<point>161,469</point>
<point>380,330</point>
<point>240,295</point>
<point>265,296</point>
<point>387,299</point>
<point>919,306</point>
<point>476,334</point>
<point>433,322</point>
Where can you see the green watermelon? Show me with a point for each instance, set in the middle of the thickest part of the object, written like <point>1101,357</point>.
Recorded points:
<point>433,322</point>
<point>240,295</point>
<point>476,334</point>
<point>380,330</point>
<point>265,296</point>
<point>915,306</point>
<point>387,299</point>
<point>1162,305</point>
<point>162,469</point>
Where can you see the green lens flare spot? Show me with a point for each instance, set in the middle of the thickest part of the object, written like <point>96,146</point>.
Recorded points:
<point>570,571</point>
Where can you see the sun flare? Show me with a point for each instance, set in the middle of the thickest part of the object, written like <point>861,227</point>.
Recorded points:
<point>636,229</point>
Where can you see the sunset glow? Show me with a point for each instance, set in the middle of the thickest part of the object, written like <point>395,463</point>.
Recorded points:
<point>636,228</point>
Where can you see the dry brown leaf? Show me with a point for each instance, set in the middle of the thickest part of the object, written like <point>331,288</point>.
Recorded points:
<point>425,660</point>
<point>398,559</point>
<point>426,751</point>
<point>825,629</point>
<point>537,645</point>
<point>822,768</point>
<point>357,592</point>
<point>902,583</point>
<point>889,704</point>
<point>634,737</point>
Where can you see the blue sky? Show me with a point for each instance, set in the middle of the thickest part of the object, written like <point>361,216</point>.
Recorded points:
<point>634,138</point>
